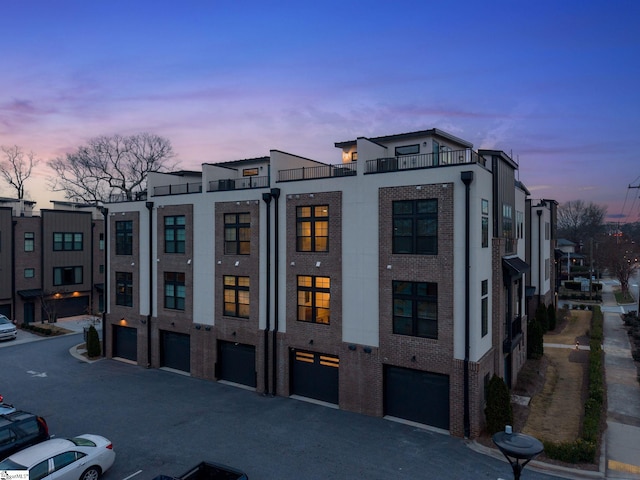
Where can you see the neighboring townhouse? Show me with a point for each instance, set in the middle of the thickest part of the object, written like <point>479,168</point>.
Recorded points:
<point>53,261</point>
<point>542,253</point>
<point>392,283</point>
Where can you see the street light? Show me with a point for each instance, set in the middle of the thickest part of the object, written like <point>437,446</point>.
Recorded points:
<point>517,447</point>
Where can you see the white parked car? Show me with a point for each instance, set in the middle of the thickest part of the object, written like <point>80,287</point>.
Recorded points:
<point>8,330</point>
<point>85,457</point>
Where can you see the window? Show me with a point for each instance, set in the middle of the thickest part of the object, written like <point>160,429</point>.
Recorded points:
<point>29,241</point>
<point>174,234</point>
<point>507,226</point>
<point>354,156</point>
<point>124,289</point>
<point>66,241</point>
<point>415,309</point>
<point>174,290</point>
<point>124,237</point>
<point>547,268</point>
<point>520,224</point>
<point>67,275</point>
<point>67,458</point>
<point>485,307</point>
<point>547,229</point>
<point>312,228</point>
<point>415,227</point>
<point>485,223</point>
<point>407,150</point>
<point>39,471</point>
<point>237,233</point>
<point>101,268</point>
<point>250,172</point>
<point>314,295</point>
<point>236,296</point>
<point>29,272</point>
<point>101,242</point>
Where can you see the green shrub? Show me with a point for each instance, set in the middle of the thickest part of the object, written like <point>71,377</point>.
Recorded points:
<point>498,411</point>
<point>552,317</point>
<point>535,340</point>
<point>93,343</point>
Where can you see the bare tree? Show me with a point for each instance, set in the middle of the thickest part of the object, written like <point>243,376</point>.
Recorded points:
<point>618,255</point>
<point>579,222</point>
<point>108,166</point>
<point>16,166</point>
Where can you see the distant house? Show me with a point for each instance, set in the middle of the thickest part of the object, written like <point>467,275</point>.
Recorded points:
<point>567,257</point>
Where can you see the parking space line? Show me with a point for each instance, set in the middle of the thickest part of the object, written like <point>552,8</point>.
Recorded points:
<point>132,475</point>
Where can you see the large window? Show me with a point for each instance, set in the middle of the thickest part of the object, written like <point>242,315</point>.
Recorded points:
<point>314,295</point>
<point>174,290</point>
<point>485,307</point>
<point>29,272</point>
<point>29,241</point>
<point>67,241</point>
<point>415,227</point>
<point>124,289</point>
<point>67,275</point>
<point>174,234</point>
<point>124,237</point>
<point>485,223</point>
<point>415,309</point>
<point>237,233</point>
<point>236,296</point>
<point>507,227</point>
<point>312,228</point>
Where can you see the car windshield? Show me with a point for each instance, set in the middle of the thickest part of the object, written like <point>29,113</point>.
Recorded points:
<point>82,442</point>
<point>4,320</point>
<point>8,464</point>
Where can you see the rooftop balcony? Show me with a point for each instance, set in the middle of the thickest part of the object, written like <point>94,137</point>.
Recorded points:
<point>177,189</point>
<point>322,171</point>
<point>242,183</point>
<point>424,160</point>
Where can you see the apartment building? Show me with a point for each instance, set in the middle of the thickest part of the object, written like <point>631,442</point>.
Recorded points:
<point>542,252</point>
<point>391,283</point>
<point>52,262</point>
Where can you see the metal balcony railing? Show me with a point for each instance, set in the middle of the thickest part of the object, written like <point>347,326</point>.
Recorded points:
<point>322,171</point>
<point>242,183</point>
<point>178,189</point>
<point>424,160</point>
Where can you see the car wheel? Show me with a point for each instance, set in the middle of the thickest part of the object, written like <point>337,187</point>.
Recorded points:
<point>92,473</point>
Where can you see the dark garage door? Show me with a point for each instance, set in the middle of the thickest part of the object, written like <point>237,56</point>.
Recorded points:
<point>175,350</point>
<point>125,342</point>
<point>237,363</point>
<point>418,396</point>
<point>314,375</point>
<point>71,307</point>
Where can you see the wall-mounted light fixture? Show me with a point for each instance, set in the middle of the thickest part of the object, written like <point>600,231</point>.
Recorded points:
<point>198,327</point>
<point>143,321</point>
<point>173,324</point>
<point>352,347</point>
<point>311,342</point>
<point>208,328</point>
<point>366,349</point>
<point>413,359</point>
<point>233,334</point>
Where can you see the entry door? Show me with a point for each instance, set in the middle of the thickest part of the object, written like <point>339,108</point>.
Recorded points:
<point>29,312</point>
<point>315,375</point>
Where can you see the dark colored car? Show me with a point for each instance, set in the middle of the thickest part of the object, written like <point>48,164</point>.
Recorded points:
<point>19,430</point>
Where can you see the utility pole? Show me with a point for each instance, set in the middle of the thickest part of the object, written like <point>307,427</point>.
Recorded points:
<point>638,310</point>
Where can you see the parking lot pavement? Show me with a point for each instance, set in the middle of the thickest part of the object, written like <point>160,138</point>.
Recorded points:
<point>164,423</point>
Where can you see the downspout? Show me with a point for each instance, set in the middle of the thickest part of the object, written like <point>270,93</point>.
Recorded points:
<point>13,272</point>
<point>105,284</point>
<point>467,178</point>
<point>275,194</point>
<point>539,212</point>
<point>149,206</point>
<point>267,200</point>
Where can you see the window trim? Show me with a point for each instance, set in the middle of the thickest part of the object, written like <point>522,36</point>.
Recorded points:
<point>429,300</point>
<point>178,244</point>
<point>314,238</point>
<point>431,223</point>
<point>124,280</point>
<point>31,241</point>
<point>68,241</point>
<point>314,294</point>
<point>124,237</point>
<point>240,230</point>
<point>175,301</point>
<point>236,290</point>
<point>77,270</point>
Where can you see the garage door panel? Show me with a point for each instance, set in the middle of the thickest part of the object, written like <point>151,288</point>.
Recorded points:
<point>315,375</point>
<point>237,363</point>
<point>125,342</point>
<point>175,351</point>
<point>418,396</point>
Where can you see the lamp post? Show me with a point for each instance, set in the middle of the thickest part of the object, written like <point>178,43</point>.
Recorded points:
<point>517,447</point>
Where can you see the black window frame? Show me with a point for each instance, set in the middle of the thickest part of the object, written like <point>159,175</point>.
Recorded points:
<point>235,290</point>
<point>410,298</point>
<point>174,229</point>
<point>68,241</point>
<point>124,289</point>
<point>66,273</point>
<point>415,229</point>
<point>175,280</point>
<point>413,149</point>
<point>484,308</point>
<point>29,241</point>
<point>237,233</point>
<point>317,226</point>
<point>313,299</point>
<point>124,237</point>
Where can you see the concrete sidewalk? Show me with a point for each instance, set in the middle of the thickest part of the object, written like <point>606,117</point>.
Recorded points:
<point>622,437</point>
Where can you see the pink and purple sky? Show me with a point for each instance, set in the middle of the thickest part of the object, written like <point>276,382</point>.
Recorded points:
<point>554,83</point>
